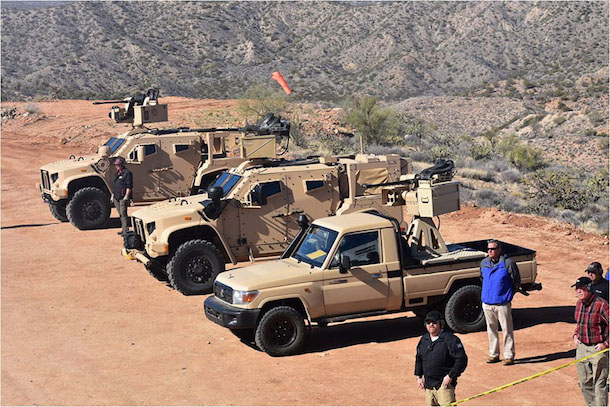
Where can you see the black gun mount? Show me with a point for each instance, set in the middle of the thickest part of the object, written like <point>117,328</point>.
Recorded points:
<point>443,168</point>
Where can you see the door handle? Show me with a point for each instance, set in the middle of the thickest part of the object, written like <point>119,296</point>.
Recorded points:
<point>341,281</point>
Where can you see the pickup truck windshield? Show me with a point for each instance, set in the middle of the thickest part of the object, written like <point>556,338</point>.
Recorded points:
<point>315,246</point>
<point>114,143</point>
<point>227,181</point>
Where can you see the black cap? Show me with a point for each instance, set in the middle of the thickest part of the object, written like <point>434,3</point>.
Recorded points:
<point>594,267</point>
<point>581,282</point>
<point>434,316</point>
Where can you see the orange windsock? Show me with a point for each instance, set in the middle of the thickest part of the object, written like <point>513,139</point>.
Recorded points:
<point>277,76</point>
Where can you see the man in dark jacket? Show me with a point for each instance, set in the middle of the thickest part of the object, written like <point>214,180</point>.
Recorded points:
<point>439,361</point>
<point>501,280</point>
<point>599,285</point>
<point>121,193</point>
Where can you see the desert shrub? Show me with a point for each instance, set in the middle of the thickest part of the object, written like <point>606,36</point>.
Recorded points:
<point>483,175</point>
<point>9,112</point>
<point>32,108</point>
<point>565,189</point>
<point>438,152</point>
<point>559,120</point>
<point>590,132</point>
<point>511,204</point>
<point>487,198</point>
<point>258,100</point>
<point>377,124</point>
<point>480,151</point>
<point>510,176</point>
<point>602,144</point>
<point>522,156</point>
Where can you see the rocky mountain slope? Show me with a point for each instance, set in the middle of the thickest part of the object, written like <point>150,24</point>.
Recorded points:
<point>326,50</point>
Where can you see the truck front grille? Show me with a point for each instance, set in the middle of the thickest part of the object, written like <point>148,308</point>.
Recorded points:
<point>46,182</point>
<point>138,227</point>
<point>223,292</point>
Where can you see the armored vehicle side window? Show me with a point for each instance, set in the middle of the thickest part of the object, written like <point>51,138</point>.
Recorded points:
<point>361,248</point>
<point>180,147</point>
<point>150,149</point>
<point>227,181</point>
<point>114,143</point>
<point>315,246</point>
<point>311,185</point>
<point>133,156</point>
<point>271,188</point>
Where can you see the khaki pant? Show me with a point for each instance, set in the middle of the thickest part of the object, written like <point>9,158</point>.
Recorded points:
<point>502,314</point>
<point>443,396</point>
<point>121,207</point>
<point>592,375</point>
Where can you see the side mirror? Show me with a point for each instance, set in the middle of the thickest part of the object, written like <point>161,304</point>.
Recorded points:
<point>344,263</point>
<point>258,196</point>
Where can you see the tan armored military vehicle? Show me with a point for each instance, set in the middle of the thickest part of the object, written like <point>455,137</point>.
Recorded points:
<point>250,212</point>
<point>362,264</point>
<point>165,163</point>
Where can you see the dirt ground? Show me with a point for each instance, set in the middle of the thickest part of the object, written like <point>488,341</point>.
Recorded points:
<point>82,325</point>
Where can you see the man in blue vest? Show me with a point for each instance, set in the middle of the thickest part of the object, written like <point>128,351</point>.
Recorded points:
<point>501,279</point>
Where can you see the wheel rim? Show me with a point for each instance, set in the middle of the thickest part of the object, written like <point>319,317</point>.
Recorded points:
<point>199,269</point>
<point>92,211</point>
<point>469,310</point>
<point>282,332</point>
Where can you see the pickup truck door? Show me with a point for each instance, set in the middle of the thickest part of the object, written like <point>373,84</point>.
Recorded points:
<point>365,286</point>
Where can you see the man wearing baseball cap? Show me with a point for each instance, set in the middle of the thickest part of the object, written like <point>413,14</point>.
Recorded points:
<point>439,361</point>
<point>598,284</point>
<point>591,336</point>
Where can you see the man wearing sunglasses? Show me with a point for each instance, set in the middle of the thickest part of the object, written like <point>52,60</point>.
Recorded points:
<point>121,193</point>
<point>501,279</point>
<point>439,361</point>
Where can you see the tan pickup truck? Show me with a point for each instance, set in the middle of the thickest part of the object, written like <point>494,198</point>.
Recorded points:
<point>360,265</point>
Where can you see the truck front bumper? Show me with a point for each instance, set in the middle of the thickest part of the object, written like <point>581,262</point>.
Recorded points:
<point>229,316</point>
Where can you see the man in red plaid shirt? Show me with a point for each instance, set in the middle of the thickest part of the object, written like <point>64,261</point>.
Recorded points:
<point>591,336</point>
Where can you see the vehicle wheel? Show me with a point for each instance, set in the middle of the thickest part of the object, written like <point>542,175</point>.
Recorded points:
<point>246,335</point>
<point>281,331</point>
<point>158,271</point>
<point>464,312</point>
<point>194,266</point>
<point>89,208</point>
<point>58,210</point>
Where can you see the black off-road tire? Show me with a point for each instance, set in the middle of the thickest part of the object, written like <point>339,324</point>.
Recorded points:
<point>194,267</point>
<point>58,210</point>
<point>281,331</point>
<point>464,311</point>
<point>89,208</point>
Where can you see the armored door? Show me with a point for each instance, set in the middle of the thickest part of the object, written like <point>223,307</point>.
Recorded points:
<point>312,192</point>
<point>262,224</point>
<point>176,166</point>
<point>141,161</point>
<point>364,287</point>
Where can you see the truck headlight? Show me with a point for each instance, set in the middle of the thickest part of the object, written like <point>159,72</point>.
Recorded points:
<point>244,297</point>
<point>150,227</point>
<point>54,177</point>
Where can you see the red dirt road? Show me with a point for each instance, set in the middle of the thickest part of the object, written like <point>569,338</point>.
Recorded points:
<point>82,325</point>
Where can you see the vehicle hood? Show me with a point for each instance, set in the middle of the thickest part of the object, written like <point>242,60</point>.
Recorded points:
<point>68,164</point>
<point>267,275</point>
<point>171,208</point>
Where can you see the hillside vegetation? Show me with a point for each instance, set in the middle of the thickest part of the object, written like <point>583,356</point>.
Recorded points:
<point>326,50</point>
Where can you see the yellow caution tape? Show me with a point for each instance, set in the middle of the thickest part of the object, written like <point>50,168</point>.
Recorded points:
<point>455,403</point>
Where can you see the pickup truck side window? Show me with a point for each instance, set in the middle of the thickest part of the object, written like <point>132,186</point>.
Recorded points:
<point>361,248</point>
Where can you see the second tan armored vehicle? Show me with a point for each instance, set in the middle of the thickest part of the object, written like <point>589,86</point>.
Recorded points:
<point>360,265</point>
<point>165,163</point>
<point>250,212</point>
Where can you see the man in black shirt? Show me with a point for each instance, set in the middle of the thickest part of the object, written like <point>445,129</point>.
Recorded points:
<point>121,193</point>
<point>440,359</point>
<point>599,285</point>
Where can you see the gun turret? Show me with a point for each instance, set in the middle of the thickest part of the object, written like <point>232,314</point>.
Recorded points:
<point>139,109</point>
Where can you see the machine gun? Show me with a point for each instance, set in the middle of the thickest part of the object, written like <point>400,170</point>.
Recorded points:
<point>425,195</point>
<point>138,109</point>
